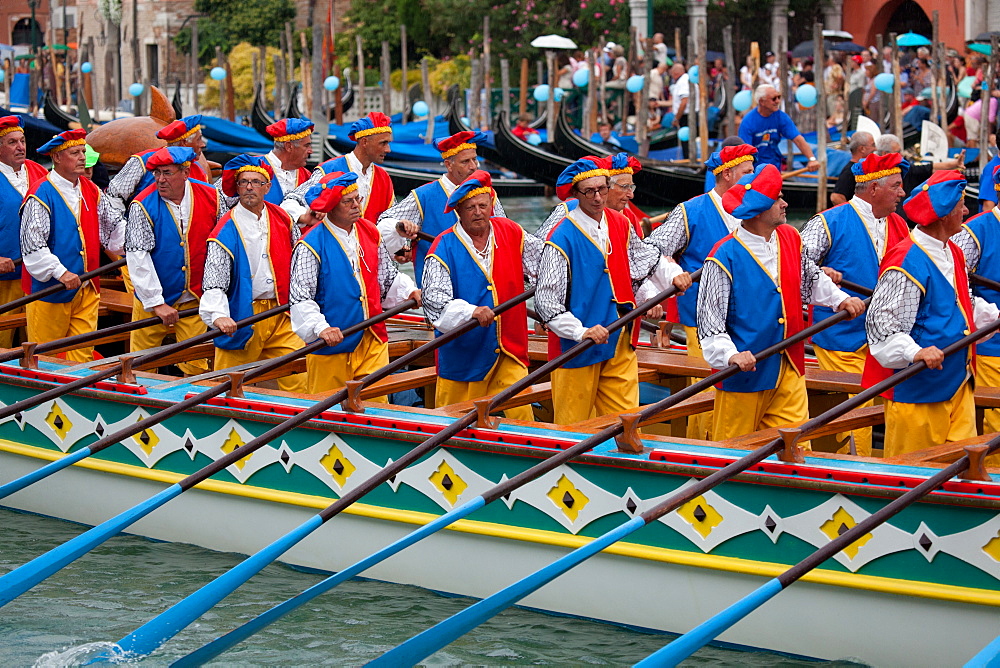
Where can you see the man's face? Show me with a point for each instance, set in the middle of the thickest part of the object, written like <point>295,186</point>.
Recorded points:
<point>733,174</point>
<point>885,198</point>
<point>676,71</point>
<point>347,211</point>
<point>867,149</point>
<point>474,212</point>
<point>592,194</point>
<point>70,162</point>
<point>770,101</point>
<point>461,165</point>
<point>374,148</point>
<point>296,153</point>
<point>251,188</point>
<point>196,142</point>
<point>13,150</point>
<point>776,214</point>
<point>953,221</point>
<point>622,191</point>
<point>170,181</point>
<point>604,131</point>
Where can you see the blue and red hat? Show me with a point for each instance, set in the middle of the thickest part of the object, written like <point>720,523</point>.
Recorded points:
<point>10,124</point>
<point>170,155</point>
<point>996,178</point>
<point>753,194</point>
<point>876,167</point>
<point>326,195</point>
<point>479,183</point>
<point>458,142</point>
<point>729,156</point>
<point>584,168</point>
<point>63,141</point>
<point>240,164</point>
<point>290,129</point>
<point>374,123</point>
<point>622,163</point>
<point>936,198</point>
<point>180,129</point>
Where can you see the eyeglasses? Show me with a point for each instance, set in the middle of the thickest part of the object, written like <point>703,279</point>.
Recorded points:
<point>628,187</point>
<point>589,193</point>
<point>254,183</point>
<point>158,173</point>
<point>774,98</point>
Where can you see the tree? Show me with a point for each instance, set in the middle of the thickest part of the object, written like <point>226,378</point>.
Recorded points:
<point>227,23</point>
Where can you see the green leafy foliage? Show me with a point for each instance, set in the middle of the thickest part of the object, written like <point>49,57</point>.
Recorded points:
<point>227,23</point>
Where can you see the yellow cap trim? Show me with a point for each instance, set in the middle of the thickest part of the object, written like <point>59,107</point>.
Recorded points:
<point>349,189</point>
<point>297,135</point>
<point>185,135</point>
<point>68,144</point>
<point>616,172</point>
<point>874,176</point>
<point>371,131</point>
<point>732,163</point>
<point>590,174</point>
<point>482,190</point>
<point>458,149</point>
<point>253,168</point>
<point>13,128</point>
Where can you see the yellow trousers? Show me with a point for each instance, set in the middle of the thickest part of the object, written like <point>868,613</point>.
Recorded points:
<point>271,338</point>
<point>740,413</point>
<point>835,360</point>
<point>48,322</point>
<point>913,427</point>
<point>988,375</point>
<point>331,372</point>
<point>598,389</point>
<point>9,291</point>
<point>504,373</point>
<point>699,426</point>
<point>184,329</point>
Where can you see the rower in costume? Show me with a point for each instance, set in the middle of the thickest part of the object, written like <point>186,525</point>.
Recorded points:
<point>922,303</point>
<point>851,239</point>
<point>979,240</point>
<point>60,239</point>
<point>476,264</point>
<point>753,285</point>
<point>621,189</point>
<point>165,240</point>
<point>373,135</point>
<point>342,274</point>
<point>424,208</point>
<point>688,234</point>
<point>591,266</point>
<point>247,264</point>
<point>19,175</point>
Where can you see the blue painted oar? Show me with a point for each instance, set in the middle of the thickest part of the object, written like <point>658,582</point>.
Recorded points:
<point>988,657</point>
<point>436,637</point>
<point>698,637</point>
<point>223,643</point>
<point>24,577</point>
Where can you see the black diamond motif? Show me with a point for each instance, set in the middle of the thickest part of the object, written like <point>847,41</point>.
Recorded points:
<point>506,497</point>
<point>699,513</point>
<point>392,479</point>
<point>568,500</point>
<point>188,445</point>
<point>284,457</point>
<point>99,429</point>
<point>446,482</point>
<point>18,417</point>
<point>630,505</point>
<point>770,524</point>
<point>338,467</point>
<point>144,437</point>
<point>842,529</point>
<point>925,542</point>
<point>58,422</point>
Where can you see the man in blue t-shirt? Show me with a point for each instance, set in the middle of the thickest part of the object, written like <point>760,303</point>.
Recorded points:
<point>987,194</point>
<point>765,127</point>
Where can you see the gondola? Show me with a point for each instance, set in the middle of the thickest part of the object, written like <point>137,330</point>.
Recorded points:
<point>37,131</point>
<point>292,109</point>
<point>346,97</point>
<point>176,101</point>
<point>259,118</point>
<point>56,116</point>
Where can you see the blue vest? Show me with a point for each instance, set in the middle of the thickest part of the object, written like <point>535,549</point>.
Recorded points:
<point>590,295</point>
<point>985,230</point>
<point>705,229</point>
<point>756,315</point>
<point>240,293</point>
<point>10,226</point>
<point>431,199</point>
<point>852,252</point>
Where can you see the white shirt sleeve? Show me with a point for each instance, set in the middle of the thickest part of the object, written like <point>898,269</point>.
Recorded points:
<point>144,279</point>
<point>826,293</point>
<point>307,320</point>
<point>213,305</point>
<point>984,313</point>
<point>400,290</point>
<point>41,263</point>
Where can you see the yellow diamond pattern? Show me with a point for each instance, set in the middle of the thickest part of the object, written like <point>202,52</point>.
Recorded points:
<point>147,439</point>
<point>335,460</point>
<point>838,524</point>
<point>992,548</point>
<point>702,517</point>
<point>568,498</point>
<point>233,441</point>
<point>448,482</point>
<point>58,421</point>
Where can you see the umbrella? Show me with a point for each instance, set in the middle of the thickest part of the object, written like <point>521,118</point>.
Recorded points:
<point>846,47</point>
<point>553,42</point>
<point>805,49</point>
<point>24,56</point>
<point>913,39</point>
<point>714,55</point>
<point>985,49</point>
<point>837,34</point>
<point>985,36</point>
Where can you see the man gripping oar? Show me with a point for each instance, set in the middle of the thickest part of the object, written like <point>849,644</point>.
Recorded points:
<point>752,290</point>
<point>343,274</point>
<point>476,264</point>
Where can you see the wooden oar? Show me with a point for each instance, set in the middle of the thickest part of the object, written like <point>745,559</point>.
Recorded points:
<point>985,282</point>
<point>987,657</point>
<point>161,628</point>
<point>53,289</point>
<point>75,340</point>
<point>686,645</point>
<point>147,357</point>
<point>794,172</point>
<point>24,577</point>
<point>433,639</point>
<point>144,640</point>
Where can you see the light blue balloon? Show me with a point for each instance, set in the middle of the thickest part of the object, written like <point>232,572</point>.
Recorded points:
<point>634,83</point>
<point>87,67</point>
<point>693,74</point>
<point>542,93</point>
<point>420,108</point>
<point>3,75</point>
<point>136,89</point>
<point>559,94</point>
<point>217,73</point>
<point>884,82</point>
<point>742,100</point>
<point>534,139</point>
<point>331,83</point>
<point>465,121</point>
<point>965,87</point>
<point>684,133</point>
<point>806,95</point>
<point>581,78</point>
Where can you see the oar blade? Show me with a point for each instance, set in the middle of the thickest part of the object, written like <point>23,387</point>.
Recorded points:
<point>988,657</point>
<point>43,472</point>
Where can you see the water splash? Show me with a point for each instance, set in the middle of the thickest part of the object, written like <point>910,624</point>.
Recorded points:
<point>80,655</point>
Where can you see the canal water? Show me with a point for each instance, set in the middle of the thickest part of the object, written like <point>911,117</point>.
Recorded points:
<point>128,580</point>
